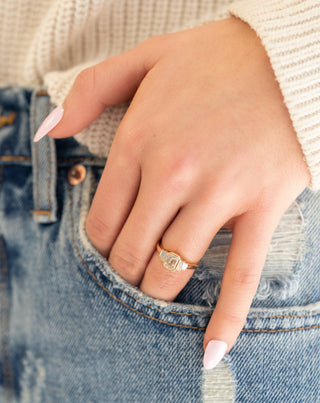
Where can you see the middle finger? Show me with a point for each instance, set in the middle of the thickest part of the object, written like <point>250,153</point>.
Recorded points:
<point>156,205</point>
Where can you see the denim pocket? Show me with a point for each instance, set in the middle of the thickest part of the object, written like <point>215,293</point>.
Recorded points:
<point>279,281</point>
<point>261,366</point>
<point>110,282</point>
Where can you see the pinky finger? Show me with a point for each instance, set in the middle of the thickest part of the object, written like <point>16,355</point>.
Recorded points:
<point>252,233</point>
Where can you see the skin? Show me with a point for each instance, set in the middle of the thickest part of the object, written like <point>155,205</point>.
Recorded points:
<point>206,143</point>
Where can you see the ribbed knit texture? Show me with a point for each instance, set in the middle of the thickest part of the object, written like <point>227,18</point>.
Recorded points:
<point>290,33</point>
<point>48,42</point>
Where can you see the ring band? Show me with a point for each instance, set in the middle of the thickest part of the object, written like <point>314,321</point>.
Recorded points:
<point>172,261</point>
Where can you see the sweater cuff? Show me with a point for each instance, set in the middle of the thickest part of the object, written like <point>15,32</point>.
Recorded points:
<point>290,31</point>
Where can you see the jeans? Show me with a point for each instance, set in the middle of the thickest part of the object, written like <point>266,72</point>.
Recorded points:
<point>72,330</point>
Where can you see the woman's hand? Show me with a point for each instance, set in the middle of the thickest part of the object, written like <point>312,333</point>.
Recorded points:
<point>207,142</point>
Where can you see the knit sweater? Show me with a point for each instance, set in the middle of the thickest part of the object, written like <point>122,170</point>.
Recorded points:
<point>48,42</point>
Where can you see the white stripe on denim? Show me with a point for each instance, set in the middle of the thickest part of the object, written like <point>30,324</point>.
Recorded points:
<point>218,384</point>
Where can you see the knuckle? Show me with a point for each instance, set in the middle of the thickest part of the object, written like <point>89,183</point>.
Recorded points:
<point>167,283</point>
<point>176,172</point>
<point>131,140</point>
<point>148,42</point>
<point>264,205</point>
<point>212,194</point>
<point>155,41</point>
<point>86,80</point>
<point>266,200</point>
<point>244,279</point>
<point>234,319</point>
<point>157,47</point>
<point>97,230</point>
<point>127,263</point>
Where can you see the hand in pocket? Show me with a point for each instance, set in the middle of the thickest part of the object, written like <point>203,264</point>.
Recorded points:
<point>207,142</point>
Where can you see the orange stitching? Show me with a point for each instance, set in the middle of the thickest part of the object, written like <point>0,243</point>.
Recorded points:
<point>7,120</point>
<point>141,313</point>
<point>42,92</point>
<point>280,330</point>
<point>285,316</point>
<point>14,158</point>
<point>40,212</point>
<point>179,313</point>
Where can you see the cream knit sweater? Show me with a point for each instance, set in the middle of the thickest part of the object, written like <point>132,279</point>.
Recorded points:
<point>48,42</point>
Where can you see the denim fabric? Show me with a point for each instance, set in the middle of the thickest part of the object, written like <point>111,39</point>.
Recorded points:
<point>72,330</point>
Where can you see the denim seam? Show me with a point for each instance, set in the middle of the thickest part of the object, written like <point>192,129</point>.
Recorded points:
<point>1,175</point>
<point>285,316</point>
<point>48,212</point>
<point>50,165</point>
<point>36,157</point>
<point>141,313</point>
<point>4,320</point>
<point>280,330</point>
<point>171,312</point>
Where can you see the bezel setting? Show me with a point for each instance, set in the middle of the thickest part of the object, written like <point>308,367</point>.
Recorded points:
<point>172,261</point>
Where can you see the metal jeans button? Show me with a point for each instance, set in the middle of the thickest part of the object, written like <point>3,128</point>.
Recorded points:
<point>76,174</point>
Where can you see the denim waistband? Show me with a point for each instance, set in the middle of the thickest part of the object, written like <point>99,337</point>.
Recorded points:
<point>44,165</point>
<point>22,110</point>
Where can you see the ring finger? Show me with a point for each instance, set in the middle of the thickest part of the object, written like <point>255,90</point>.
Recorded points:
<point>189,236</point>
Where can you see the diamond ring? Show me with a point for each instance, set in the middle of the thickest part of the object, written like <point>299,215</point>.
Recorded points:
<point>172,261</point>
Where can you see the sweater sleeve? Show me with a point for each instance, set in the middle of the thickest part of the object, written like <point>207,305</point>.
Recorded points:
<point>290,32</point>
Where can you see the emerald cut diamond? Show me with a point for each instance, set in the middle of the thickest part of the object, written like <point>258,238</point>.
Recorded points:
<point>172,261</point>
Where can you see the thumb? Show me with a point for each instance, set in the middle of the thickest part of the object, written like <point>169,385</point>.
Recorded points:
<point>109,82</point>
<point>251,236</point>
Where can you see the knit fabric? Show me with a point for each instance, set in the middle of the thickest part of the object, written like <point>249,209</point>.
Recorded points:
<point>48,42</point>
<point>290,33</point>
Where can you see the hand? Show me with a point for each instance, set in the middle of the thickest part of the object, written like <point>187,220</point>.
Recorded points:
<point>207,142</point>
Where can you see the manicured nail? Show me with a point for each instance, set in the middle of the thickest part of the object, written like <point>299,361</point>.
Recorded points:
<point>214,352</point>
<point>49,123</point>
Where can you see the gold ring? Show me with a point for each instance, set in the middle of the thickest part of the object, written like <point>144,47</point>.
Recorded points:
<point>172,261</point>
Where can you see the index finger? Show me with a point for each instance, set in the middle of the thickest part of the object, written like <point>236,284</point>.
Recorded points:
<point>107,83</point>
<point>251,236</point>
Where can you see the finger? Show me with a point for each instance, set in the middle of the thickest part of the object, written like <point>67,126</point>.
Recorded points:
<point>189,236</point>
<point>151,214</point>
<point>114,197</point>
<point>107,83</point>
<point>251,236</point>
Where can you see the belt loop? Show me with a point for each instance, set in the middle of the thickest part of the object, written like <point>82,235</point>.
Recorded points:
<point>44,161</point>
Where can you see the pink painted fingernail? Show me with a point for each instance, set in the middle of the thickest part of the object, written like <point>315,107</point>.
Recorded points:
<point>214,352</point>
<point>49,123</point>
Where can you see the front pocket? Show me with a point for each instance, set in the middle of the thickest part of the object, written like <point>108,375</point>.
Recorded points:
<point>183,313</point>
<point>107,279</point>
<point>261,365</point>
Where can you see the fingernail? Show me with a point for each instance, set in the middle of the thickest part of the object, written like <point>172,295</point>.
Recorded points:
<point>49,123</point>
<point>214,352</point>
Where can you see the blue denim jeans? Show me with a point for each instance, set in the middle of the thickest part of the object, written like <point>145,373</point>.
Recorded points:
<point>72,330</point>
